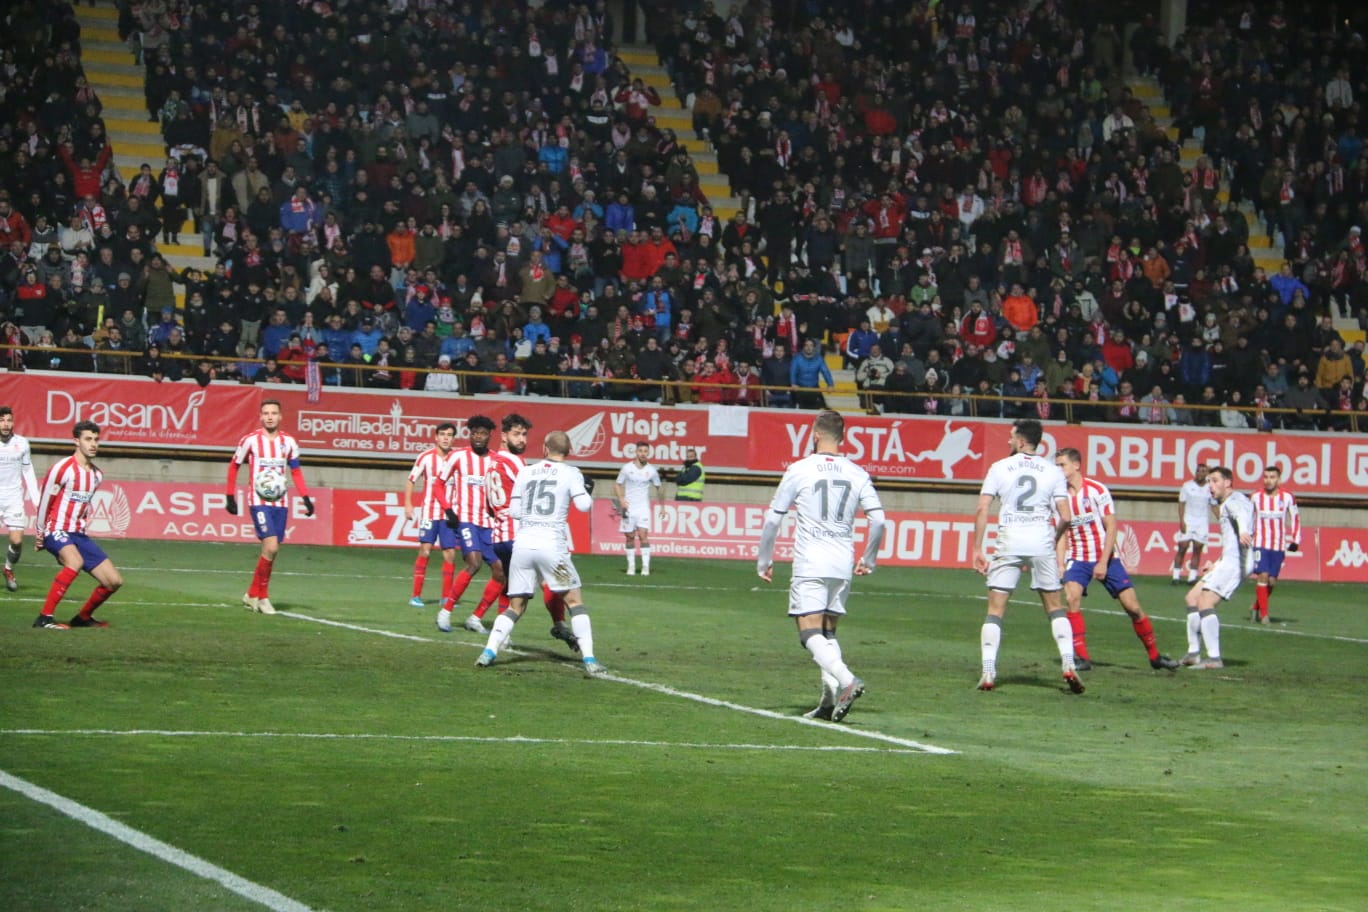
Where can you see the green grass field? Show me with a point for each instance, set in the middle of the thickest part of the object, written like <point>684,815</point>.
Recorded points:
<point>350,770</point>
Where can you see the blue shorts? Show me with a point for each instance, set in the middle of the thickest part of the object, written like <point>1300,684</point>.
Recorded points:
<point>269,521</point>
<point>437,532</point>
<point>477,538</point>
<point>92,555</point>
<point>1268,561</point>
<point>504,552</point>
<point>1115,582</point>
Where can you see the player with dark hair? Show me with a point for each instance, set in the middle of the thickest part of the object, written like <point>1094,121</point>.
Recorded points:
<point>1221,578</point>
<point>18,489</point>
<point>269,451</point>
<point>1277,529</point>
<point>63,510</point>
<point>1088,554</point>
<point>469,515</point>
<point>433,467</point>
<point>633,490</point>
<point>1194,522</point>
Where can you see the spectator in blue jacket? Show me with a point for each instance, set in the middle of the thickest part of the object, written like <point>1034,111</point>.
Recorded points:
<point>368,336</point>
<point>620,215</point>
<point>805,374</point>
<point>299,214</point>
<point>418,311</point>
<point>858,345</point>
<point>1287,285</point>
<point>1194,368</point>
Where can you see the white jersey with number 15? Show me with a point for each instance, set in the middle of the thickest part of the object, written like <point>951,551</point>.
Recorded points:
<point>541,501</point>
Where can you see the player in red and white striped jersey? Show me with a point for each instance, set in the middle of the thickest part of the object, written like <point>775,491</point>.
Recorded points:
<point>466,492</point>
<point>433,467</point>
<point>63,510</point>
<point>1088,552</point>
<point>508,462</point>
<point>1277,529</point>
<point>266,449</point>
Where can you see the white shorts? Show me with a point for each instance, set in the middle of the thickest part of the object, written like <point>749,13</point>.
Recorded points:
<point>1223,578</point>
<point>1005,571</point>
<point>532,565</point>
<point>817,595</point>
<point>636,517</point>
<point>14,515</point>
<point>1195,534</point>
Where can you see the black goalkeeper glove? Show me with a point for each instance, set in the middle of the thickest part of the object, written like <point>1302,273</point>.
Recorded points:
<point>308,505</point>
<point>589,485</point>
<point>1294,547</point>
<point>451,520</point>
<point>231,505</point>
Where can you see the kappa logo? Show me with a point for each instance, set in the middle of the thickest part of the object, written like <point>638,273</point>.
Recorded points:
<point>952,449</point>
<point>1357,465</point>
<point>110,512</point>
<point>1348,554</point>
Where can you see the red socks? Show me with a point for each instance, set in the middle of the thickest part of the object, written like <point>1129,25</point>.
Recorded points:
<point>1080,635</point>
<point>458,586</point>
<point>492,590</point>
<point>261,579</point>
<point>555,604</point>
<point>1145,631</point>
<point>419,574</point>
<point>1261,600</point>
<point>60,584</point>
<point>97,598</point>
<point>448,571</point>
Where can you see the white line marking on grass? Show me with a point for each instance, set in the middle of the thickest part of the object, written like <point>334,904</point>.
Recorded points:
<point>668,691</point>
<point>465,739</point>
<point>155,847</point>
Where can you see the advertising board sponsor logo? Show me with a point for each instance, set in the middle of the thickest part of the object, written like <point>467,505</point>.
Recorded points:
<point>159,421</point>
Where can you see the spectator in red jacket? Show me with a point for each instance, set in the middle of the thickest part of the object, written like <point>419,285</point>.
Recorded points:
<point>13,226</point>
<point>1116,351</point>
<point>636,100</point>
<point>978,327</point>
<point>85,175</point>
<point>636,258</point>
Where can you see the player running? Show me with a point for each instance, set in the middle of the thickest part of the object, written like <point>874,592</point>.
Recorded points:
<point>1194,523</point>
<point>1221,578</point>
<point>826,490</point>
<point>18,489</point>
<point>470,505</point>
<point>433,467</point>
<point>1277,529</point>
<point>508,462</point>
<point>1032,492</point>
<point>1088,554</point>
<point>633,498</point>
<point>267,450</point>
<point>540,504</point>
<point>68,491</point>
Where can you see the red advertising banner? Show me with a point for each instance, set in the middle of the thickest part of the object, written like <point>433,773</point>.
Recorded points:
<point>376,518</point>
<point>732,532</point>
<point>139,411</point>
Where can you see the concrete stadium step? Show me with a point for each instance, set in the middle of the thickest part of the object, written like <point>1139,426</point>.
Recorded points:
<point>105,14</point>
<point>138,144</point>
<point>129,77</point>
<point>1348,328</point>
<point>114,51</point>
<point>105,69</point>
<point>121,105</point>
<point>103,33</point>
<point>139,127</point>
<point>638,55</point>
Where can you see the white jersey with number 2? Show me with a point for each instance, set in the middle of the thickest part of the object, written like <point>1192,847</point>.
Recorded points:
<point>1027,488</point>
<point>825,491</point>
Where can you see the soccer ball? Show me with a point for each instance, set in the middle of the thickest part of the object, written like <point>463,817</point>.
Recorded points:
<point>270,484</point>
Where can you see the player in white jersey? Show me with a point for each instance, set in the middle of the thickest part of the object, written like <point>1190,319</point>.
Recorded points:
<point>63,510</point>
<point>825,490</point>
<point>432,467</point>
<point>1277,529</point>
<point>1088,554</point>
<point>540,504</point>
<point>1033,515</point>
<point>633,498</point>
<point>1221,578</point>
<point>1194,524</point>
<point>18,489</point>
<point>266,450</point>
<point>471,518</point>
<point>508,462</point>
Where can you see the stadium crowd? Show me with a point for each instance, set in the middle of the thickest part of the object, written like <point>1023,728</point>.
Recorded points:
<point>964,200</point>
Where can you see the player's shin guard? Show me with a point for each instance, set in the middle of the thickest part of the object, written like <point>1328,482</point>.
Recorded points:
<point>419,574</point>
<point>645,559</point>
<point>1211,632</point>
<point>555,604</point>
<point>97,598</point>
<point>827,656</point>
<point>1194,630</point>
<point>1261,599</point>
<point>12,553</point>
<point>1080,634</point>
<point>990,640</point>
<point>1145,631</point>
<point>1063,635</point>
<point>583,630</point>
<point>60,584</point>
<point>499,633</point>
<point>492,590</point>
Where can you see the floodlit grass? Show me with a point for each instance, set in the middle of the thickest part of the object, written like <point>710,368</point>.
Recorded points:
<point>353,771</point>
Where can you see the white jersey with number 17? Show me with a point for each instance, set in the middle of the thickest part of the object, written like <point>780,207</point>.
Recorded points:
<point>825,491</point>
<point>1027,487</point>
<point>541,501</point>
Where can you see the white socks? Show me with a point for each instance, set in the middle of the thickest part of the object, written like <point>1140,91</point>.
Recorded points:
<point>827,655</point>
<point>500,632</point>
<point>1211,633</point>
<point>1194,631</point>
<point>990,640</point>
<point>1062,631</point>
<point>583,631</point>
<point>631,561</point>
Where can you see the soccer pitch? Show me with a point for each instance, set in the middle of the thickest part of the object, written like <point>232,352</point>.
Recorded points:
<point>345,755</point>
